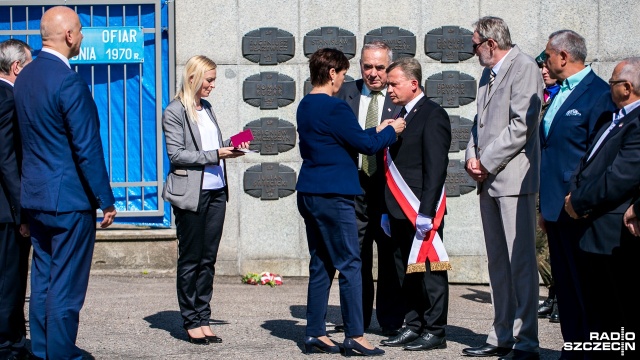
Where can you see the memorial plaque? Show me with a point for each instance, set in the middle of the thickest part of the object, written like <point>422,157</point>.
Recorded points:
<point>460,132</point>
<point>268,90</point>
<point>330,37</point>
<point>269,181</point>
<point>268,46</point>
<point>272,135</point>
<point>451,88</point>
<point>308,86</point>
<point>458,182</point>
<point>449,44</point>
<point>401,41</point>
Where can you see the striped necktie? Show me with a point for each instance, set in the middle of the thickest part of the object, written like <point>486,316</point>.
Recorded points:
<point>369,165</point>
<point>492,78</point>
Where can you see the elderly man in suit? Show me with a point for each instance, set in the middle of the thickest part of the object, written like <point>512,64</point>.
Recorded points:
<point>503,156</point>
<point>421,158</point>
<point>14,230</point>
<point>565,133</point>
<point>365,97</point>
<point>603,189</point>
<point>64,181</point>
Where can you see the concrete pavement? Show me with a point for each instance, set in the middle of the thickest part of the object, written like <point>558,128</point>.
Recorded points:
<point>136,317</point>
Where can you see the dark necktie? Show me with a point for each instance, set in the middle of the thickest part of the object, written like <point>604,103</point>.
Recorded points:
<point>369,165</point>
<point>402,112</point>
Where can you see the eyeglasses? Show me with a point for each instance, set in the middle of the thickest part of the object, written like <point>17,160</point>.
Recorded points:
<point>476,46</point>
<point>615,82</point>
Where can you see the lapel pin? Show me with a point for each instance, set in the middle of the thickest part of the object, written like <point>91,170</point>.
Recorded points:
<point>620,125</point>
<point>389,109</point>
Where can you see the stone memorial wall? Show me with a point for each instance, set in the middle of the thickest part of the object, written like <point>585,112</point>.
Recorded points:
<point>262,49</point>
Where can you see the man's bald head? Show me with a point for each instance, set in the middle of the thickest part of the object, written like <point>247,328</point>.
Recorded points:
<point>60,30</point>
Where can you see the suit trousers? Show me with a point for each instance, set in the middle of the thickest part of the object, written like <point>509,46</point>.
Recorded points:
<point>509,231</point>
<point>199,235</point>
<point>389,309</point>
<point>566,257</point>
<point>332,237</point>
<point>425,294</point>
<point>60,265</point>
<point>14,269</point>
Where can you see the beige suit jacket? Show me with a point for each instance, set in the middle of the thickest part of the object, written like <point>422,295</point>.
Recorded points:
<point>504,136</point>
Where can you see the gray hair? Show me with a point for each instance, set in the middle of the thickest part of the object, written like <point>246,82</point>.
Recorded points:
<point>13,50</point>
<point>491,27</point>
<point>631,72</point>
<point>571,42</point>
<point>377,45</point>
<point>409,66</point>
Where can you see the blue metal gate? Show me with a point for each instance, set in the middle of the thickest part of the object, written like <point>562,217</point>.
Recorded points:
<point>130,97</point>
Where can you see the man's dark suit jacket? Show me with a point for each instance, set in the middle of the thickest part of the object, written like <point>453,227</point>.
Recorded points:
<point>350,92</point>
<point>421,155</point>
<point>605,186</point>
<point>63,160</point>
<point>573,126</point>
<point>9,157</point>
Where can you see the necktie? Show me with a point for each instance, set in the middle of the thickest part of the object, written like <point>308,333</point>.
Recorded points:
<point>369,161</point>
<point>492,78</point>
<point>403,112</point>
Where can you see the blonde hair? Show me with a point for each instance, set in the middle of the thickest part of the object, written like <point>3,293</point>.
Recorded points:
<point>192,78</point>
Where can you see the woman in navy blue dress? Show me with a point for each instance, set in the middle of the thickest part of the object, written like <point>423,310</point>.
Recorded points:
<point>330,140</point>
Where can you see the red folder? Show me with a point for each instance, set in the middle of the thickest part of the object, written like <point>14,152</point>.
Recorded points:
<point>242,136</point>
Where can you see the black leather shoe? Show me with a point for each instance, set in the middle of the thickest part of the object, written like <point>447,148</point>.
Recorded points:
<point>555,315</point>
<point>352,347</point>
<point>389,332</point>
<point>311,343</point>
<point>545,309</point>
<point>427,342</point>
<point>405,336</point>
<point>520,355</point>
<point>214,339</point>
<point>486,350</point>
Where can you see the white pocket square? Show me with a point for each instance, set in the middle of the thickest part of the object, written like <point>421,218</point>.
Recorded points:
<point>573,112</point>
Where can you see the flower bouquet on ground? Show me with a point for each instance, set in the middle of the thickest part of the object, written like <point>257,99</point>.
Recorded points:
<point>265,278</point>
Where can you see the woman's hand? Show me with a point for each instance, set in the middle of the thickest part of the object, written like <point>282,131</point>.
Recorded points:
<point>229,152</point>
<point>398,125</point>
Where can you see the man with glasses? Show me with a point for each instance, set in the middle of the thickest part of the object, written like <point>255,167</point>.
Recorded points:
<point>503,157</point>
<point>602,193</point>
<point>566,131</point>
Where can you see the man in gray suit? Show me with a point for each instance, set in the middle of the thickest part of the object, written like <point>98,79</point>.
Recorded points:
<point>503,156</point>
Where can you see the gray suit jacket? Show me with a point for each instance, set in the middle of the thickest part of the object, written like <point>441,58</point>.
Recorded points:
<point>184,181</point>
<point>504,136</point>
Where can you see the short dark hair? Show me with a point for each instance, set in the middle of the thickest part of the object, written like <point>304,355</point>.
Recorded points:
<point>324,60</point>
<point>410,68</point>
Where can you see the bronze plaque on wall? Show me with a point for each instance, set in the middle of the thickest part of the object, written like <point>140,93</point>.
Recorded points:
<point>402,42</point>
<point>449,44</point>
<point>272,135</point>
<point>268,46</point>
<point>269,181</point>
<point>460,132</point>
<point>458,182</point>
<point>451,88</point>
<point>269,90</point>
<point>308,86</point>
<point>330,37</point>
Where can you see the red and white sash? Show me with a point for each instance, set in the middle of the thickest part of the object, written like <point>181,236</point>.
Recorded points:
<point>430,248</point>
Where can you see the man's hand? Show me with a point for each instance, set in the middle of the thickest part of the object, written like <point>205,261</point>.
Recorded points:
<point>569,208</point>
<point>24,230</point>
<point>384,223</point>
<point>424,223</point>
<point>109,215</point>
<point>542,225</point>
<point>476,170</point>
<point>631,221</point>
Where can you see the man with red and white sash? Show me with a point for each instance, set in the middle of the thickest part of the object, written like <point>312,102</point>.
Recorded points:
<point>416,169</point>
